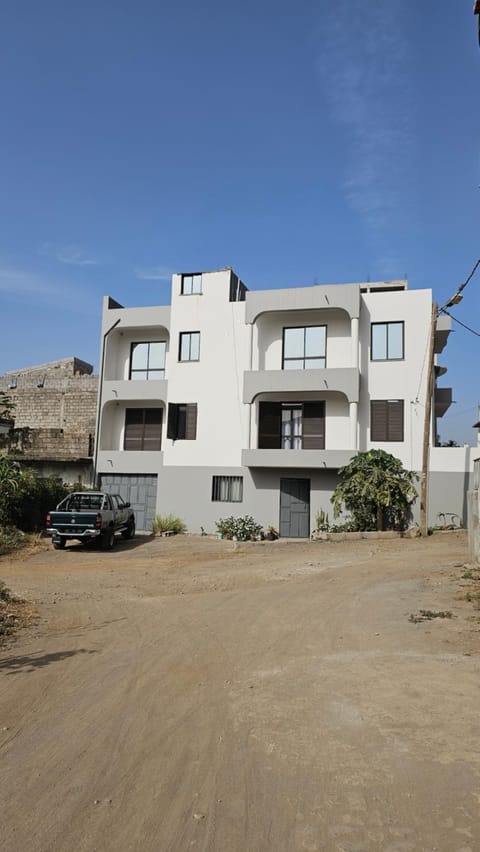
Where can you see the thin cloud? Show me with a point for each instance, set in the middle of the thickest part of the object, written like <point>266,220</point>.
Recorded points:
<point>20,283</point>
<point>72,255</point>
<point>154,273</point>
<point>362,70</point>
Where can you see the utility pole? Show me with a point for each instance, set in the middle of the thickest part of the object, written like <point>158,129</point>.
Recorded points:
<point>427,424</point>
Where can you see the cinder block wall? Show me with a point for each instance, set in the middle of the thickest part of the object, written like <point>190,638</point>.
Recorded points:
<point>55,409</point>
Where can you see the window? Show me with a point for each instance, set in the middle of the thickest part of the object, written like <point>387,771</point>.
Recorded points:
<point>386,420</point>
<point>291,426</point>
<point>191,284</point>
<point>304,348</point>
<point>189,346</point>
<point>182,421</point>
<point>386,341</point>
<point>147,360</point>
<point>143,429</point>
<point>227,489</point>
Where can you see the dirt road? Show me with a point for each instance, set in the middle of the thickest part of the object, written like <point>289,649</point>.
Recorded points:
<point>182,694</point>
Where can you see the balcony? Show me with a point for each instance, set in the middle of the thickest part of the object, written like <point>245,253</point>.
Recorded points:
<point>442,330</point>
<point>298,459</point>
<point>344,380</point>
<point>129,391</point>
<point>344,297</point>
<point>443,400</point>
<point>121,461</point>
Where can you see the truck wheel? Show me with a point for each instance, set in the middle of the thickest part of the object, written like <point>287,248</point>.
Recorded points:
<point>59,545</point>
<point>108,539</point>
<point>130,531</point>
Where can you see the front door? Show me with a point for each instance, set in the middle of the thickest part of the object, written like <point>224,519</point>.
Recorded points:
<point>295,508</point>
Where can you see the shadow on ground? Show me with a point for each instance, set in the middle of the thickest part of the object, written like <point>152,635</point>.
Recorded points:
<point>36,661</point>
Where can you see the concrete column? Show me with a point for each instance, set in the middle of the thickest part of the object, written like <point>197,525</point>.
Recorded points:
<point>355,355</point>
<point>353,425</point>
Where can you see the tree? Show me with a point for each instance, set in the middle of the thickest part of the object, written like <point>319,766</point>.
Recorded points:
<point>10,478</point>
<point>7,406</point>
<point>377,490</point>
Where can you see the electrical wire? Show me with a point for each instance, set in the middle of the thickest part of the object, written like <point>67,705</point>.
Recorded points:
<point>455,298</point>
<point>460,322</point>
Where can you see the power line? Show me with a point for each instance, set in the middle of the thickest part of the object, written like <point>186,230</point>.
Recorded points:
<point>460,322</point>
<point>457,297</point>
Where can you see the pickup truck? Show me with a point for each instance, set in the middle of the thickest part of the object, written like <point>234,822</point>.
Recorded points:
<point>88,516</point>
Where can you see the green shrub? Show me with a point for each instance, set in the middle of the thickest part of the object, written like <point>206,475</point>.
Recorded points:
<point>167,523</point>
<point>10,539</point>
<point>242,529</point>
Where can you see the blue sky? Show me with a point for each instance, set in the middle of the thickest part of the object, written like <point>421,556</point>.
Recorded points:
<point>299,143</point>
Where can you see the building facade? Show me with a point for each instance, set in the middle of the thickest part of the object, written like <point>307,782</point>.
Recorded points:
<point>230,401</point>
<point>54,418</point>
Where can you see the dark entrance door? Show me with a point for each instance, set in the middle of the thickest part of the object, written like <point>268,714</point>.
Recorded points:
<point>295,508</point>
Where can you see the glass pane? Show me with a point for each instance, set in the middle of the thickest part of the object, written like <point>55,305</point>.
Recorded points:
<point>196,283</point>
<point>293,365</point>
<point>223,490</point>
<point>297,442</point>
<point>139,356</point>
<point>286,442</point>
<point>187,284</point>
<point>195,346</point>
<point>297,421</point>
<point>379,342</point>
<point>139,374</point>
<point>156,359</point>
<point>293,342</point>
<point>315,363</point>
<point>315,341</point>
<point>236,492</point>
<point>184,347</point>
<point>395,340</point>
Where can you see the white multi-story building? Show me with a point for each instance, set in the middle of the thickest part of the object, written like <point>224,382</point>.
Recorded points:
<point>232,401</point>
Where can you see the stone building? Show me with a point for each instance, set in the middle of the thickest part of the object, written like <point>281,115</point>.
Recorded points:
<point>54,418</point>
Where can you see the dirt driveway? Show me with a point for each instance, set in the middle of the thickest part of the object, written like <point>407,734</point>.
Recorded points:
<point>188,693</point>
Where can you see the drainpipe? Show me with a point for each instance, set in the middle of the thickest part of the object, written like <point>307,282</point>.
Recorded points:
<point>100,400</point>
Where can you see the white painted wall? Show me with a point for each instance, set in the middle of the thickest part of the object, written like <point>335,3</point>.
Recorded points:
<point>269,336</point>
<point>215,382</point>
<point>396,379</point>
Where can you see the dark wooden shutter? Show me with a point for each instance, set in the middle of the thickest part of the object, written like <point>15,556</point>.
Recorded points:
<point>378,420</point>
<point>270,426</point>
<point>191,421</point>
<point>172,420</point>
<point>395,419</point>
<point>313,427</point>
<point>133,429</point>
<point>152,435</point>
<point>386,420</point>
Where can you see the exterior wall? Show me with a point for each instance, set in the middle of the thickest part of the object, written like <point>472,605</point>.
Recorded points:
<point>404,379</point>
<point>187,492</point>
<point>54,417</point>
<point>240,364</point>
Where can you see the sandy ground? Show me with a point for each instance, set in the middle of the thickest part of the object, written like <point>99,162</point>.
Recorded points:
<point>189,693</point>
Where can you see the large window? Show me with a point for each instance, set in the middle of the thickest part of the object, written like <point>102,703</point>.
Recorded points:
<point>143,429</point>
<point>147,360</point>
<point>304,348</point>
<point>191,284</point>
<point>227,489</point>
<point>386,420</point>
<point>387,341</point>
<point>291,426</point>
<point>189,346</point>
<point>182,421</point>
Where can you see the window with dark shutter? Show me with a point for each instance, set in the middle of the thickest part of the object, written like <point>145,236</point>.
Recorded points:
<point>143,429</point>
<point>386,420</point>
<point>313,426</point>
<point>182,421</point>
<point>291,426</point>
<point>270,425</point>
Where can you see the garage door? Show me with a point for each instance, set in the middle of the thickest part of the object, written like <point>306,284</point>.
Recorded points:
<point>139,491</point>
